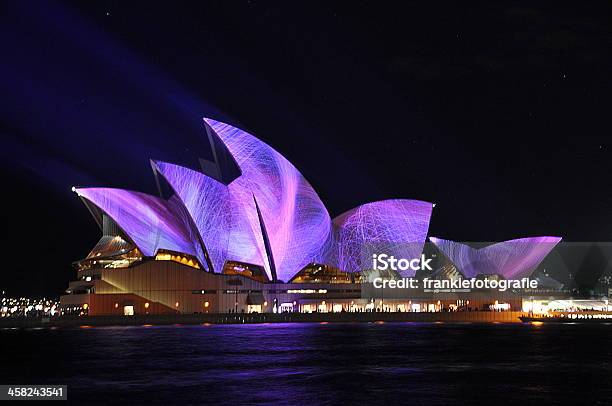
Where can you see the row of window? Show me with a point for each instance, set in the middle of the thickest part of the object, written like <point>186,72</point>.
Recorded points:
<point>275,291</point>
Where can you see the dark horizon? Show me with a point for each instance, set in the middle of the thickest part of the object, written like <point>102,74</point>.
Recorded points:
<point>496,114</point>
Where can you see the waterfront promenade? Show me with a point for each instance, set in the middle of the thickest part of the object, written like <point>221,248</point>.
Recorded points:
<point>232,318</point>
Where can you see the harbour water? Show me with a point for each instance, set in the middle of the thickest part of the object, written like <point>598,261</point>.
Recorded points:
<point>317,363</point>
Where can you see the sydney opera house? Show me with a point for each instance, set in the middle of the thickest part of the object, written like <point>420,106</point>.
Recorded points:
<point>245,232</point>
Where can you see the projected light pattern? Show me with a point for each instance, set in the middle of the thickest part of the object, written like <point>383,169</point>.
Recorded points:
<point>296,220</point>
<point>513,259</point>
<point>393,227</point>
<point>221,218</point>
<point>207,203</point>
<point>150,222</point>
<point>246,240</point>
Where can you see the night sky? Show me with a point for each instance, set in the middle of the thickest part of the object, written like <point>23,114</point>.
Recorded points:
<point>499,113</point>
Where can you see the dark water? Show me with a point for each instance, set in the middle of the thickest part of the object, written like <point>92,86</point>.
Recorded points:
<point>408,363</point>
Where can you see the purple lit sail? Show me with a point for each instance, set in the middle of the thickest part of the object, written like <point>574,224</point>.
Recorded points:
<point>393,227</point>
<point>513,259</point>
<point>297,222</point>
<point>150,222</point>
<point>217,218</point>
<point>207,203</point>
<point>227,220</point>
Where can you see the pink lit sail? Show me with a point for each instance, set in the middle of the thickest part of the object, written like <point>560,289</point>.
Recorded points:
<point>225,216</point>
<point>297,222</point>
<point>254,206</point>
<point>393,227</point>
<point>229,226</point>
<point>513,259</point>
<point>150,222</point>
<point>207,203</point>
